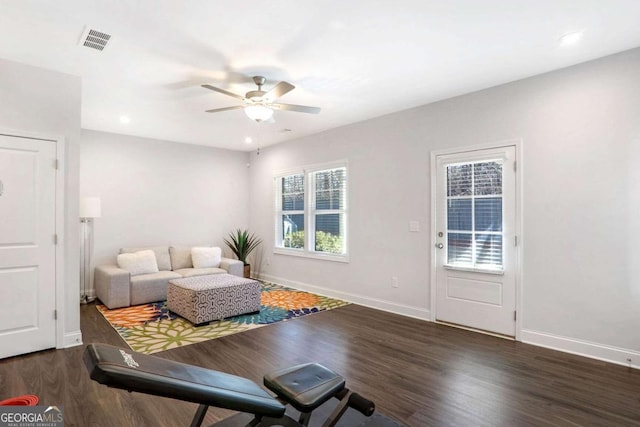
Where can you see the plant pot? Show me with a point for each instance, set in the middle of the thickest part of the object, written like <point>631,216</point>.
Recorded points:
<point>247,271</point>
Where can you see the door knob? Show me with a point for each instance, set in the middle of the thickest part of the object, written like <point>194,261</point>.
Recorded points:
<point>439,245</point>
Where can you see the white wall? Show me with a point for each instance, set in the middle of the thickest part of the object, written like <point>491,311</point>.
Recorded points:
<point>581,200</point>
<point>161,193</point>
<point>36,100</point>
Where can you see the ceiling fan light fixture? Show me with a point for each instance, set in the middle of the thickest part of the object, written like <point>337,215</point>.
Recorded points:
<point>259,113</point>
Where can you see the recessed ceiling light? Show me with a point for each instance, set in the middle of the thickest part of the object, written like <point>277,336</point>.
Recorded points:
<point>125,119</point>
<point>248,140</point>
<point>571,38</point>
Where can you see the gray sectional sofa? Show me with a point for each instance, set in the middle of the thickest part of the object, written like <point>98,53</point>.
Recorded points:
<point>116,287</point>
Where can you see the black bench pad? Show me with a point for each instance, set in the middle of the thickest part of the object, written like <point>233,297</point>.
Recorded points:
<point>128,370</point>
<point>306,386</point>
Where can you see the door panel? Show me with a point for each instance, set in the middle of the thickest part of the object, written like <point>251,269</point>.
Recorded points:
<point>474,290</point>
<point>20,288</point>
<point>18,207</point>
<point>27,250</point>
<point>475,208</point>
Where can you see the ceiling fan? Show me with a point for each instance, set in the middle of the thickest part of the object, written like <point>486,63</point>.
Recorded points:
<point>259,104</point>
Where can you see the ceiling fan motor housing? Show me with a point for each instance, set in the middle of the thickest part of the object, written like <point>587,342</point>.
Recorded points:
<point>255,95</point>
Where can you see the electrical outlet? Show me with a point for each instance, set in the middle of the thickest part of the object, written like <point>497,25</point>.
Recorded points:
<point>394,282</point>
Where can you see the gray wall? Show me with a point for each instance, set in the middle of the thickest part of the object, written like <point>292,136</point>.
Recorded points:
<point>161,193</point>
<point>581,202</point>
<point>47,102</point>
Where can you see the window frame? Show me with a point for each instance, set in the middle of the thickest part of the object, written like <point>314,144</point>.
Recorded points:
<point>485,157</point>
<point>310,212</point>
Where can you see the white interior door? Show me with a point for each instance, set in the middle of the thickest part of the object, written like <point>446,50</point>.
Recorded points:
<point>27,248</point>
<point>475,240</point>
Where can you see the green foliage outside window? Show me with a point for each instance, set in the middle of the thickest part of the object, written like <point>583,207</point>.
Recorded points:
<point>325,242</point>
<point>294,240</point>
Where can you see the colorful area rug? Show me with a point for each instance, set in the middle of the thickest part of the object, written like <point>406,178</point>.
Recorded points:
<point>150,328</point>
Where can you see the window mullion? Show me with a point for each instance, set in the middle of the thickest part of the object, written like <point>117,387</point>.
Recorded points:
<point>310,198</point>
<point>473,214</point>
<point>503,215</point>
<point>278,213</point>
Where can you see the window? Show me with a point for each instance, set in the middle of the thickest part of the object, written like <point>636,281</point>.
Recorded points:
<point>313,200</point>
<point>474,215</point>
<point>291,216</point>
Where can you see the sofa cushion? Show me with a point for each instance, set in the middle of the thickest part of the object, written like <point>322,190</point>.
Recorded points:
<point>162,255</point>
<point>151,287</point>
<point>142,262</point>
<point>191,272</point>
<point>180,257</point>
<point>112,286</point>
<point>206,257</point>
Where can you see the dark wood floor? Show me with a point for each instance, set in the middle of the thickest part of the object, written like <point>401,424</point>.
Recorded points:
<point>417,372</point>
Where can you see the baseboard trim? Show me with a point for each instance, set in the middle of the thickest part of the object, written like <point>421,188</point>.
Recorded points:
<point>405,310</point>
<point>606,353</point>
<point>619,356</point>
<point>72,339</point>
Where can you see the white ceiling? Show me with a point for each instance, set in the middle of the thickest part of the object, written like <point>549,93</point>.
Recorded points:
<point>356,59</point>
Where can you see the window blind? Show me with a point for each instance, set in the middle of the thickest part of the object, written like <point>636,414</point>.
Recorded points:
<point>474,215</point>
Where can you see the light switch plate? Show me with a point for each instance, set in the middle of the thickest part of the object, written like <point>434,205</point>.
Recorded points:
<point>414,226</point>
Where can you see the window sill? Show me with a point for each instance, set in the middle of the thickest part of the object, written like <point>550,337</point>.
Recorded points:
<point>474,269</point>
<point>314,255</point>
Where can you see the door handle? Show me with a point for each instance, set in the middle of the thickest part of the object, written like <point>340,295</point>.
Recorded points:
<point>439,245</point>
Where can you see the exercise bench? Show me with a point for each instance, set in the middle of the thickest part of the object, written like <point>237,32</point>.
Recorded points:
<point>305,387</point>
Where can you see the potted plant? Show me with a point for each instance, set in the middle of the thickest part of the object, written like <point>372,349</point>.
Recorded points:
<point>242,243</point>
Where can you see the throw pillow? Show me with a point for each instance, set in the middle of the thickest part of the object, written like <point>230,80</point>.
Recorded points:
<point>206,257</point>
<point>180,257</point>
<point>162,255</point>
<point>142,262</point>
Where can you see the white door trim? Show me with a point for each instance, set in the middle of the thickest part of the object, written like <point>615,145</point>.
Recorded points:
<point>519,250</point>
<point>60,200</point>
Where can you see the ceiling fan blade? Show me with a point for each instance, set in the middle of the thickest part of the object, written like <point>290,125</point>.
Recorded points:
<point>225,92</point>
<point>217,110</point>
<point>278,90</point>
<point>298,108</point>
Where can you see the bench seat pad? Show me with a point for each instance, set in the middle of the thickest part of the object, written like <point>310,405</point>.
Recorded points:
<point>305,386</point>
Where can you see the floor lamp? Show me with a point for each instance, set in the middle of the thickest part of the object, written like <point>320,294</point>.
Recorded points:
<point>89,209</point>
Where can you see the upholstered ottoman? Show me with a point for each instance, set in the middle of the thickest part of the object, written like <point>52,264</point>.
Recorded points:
<point>202,299</point>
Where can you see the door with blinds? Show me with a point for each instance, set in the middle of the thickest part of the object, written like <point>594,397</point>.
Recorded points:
<point>475,240</point>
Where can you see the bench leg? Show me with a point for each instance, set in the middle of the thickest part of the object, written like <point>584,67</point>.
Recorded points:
<point>343,405</point>
<point>284,421</point>
<point>199,416</point>
<point>304,418</point>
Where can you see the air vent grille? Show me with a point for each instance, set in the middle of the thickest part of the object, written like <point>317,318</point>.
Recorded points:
<point>94,39</point>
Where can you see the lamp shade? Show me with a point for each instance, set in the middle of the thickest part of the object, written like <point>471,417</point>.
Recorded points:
<point>259,113</point>
<point>90,207</point>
